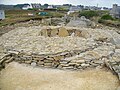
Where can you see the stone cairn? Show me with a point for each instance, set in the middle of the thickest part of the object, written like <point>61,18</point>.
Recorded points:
<point>62,60</point>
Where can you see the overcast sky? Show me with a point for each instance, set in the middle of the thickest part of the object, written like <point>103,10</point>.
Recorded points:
<point>106,3</point>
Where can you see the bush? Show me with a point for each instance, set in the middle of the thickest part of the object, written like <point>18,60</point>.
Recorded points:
<point>88,14</point>
<point>107,17</point>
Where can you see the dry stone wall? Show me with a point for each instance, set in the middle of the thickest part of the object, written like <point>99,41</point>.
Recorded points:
<point>61,48</point>
<point>71,60</point>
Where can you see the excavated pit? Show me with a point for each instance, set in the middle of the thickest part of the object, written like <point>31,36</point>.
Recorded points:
<point>65,48</point>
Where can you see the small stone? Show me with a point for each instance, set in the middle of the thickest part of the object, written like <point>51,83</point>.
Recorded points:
<point>47,64</point>
<point>70,67</point>
<point>28,61</point>
<point>13,52</point>
<point>80,61</point>
<point>68,55</point>
<point>58,58</point>
<point>33,64</point>
<point>40,63</point>
<point>72,64</point>
<point>77,33</point>
<point>64,65</point>
<point>79,67</point>
<point>85,65</point>
<point>38,57</point>
<point>48,61</point>
<point>60,67</point>
<point>63,62</point>
<point>119,75</point>
<point>99,62</point>
<point>99,67</point>
<point>2,60</point>
<point>9,60</point>
<point>94,64</point>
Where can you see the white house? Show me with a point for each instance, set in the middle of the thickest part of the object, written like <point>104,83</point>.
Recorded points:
<point>2,15</point>
<point>26,7</point>
<point>73,9</point>
<point>50,7</point>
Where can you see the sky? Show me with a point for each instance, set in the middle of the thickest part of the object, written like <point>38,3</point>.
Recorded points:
<point>101,3</point>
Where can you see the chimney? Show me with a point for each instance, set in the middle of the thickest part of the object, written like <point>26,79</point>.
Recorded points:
<point>115,5</point>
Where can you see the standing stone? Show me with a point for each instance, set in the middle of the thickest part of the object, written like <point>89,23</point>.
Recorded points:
<point>77,33</point>
<point>63,32</point>
<point>44,33</point>
<point>54,32</point>
<point>85,34</point>
<point>58,58</point>
<point>49,32</point>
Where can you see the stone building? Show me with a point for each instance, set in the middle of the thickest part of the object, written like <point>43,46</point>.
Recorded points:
<point>36,5</point>
<point>2,15</point>
<point>26,7</point>
<point>115,12</point>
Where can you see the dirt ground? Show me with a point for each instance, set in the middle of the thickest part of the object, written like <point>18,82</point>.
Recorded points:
<point>21,77</point>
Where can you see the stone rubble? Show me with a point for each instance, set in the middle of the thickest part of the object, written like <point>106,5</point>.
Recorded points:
<point>80,22</point>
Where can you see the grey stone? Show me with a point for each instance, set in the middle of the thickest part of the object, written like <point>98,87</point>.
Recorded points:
<point>63,62</point>
<point>94,64</point>
<point>33,64</point>
<point>119,75</point>
<point>80,22</point>
<point>85,65</point>
<point>71,64</point>
<point>47,64</point>
<point>13,52</point>
<point>48,61</point>
<point>64,65</point>
<point>70,67</point>
<point>59,67</point>
<point>80,61</point>
<point>99,62</point>
<point>9,60</point>
<point>28,62</point>
<point>40,63</point>
<point>115,41</point>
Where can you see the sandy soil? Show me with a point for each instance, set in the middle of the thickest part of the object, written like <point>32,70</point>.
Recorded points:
<point>22,77</point>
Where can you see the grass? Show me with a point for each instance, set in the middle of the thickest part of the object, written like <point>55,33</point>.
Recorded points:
<point>16,16</point>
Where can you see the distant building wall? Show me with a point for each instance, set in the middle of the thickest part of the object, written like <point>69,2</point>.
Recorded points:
<point>26,7</point>
<point>36,5</point>
<point>2,15</point>
<point>75,8</point>
<point>115,12</point>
